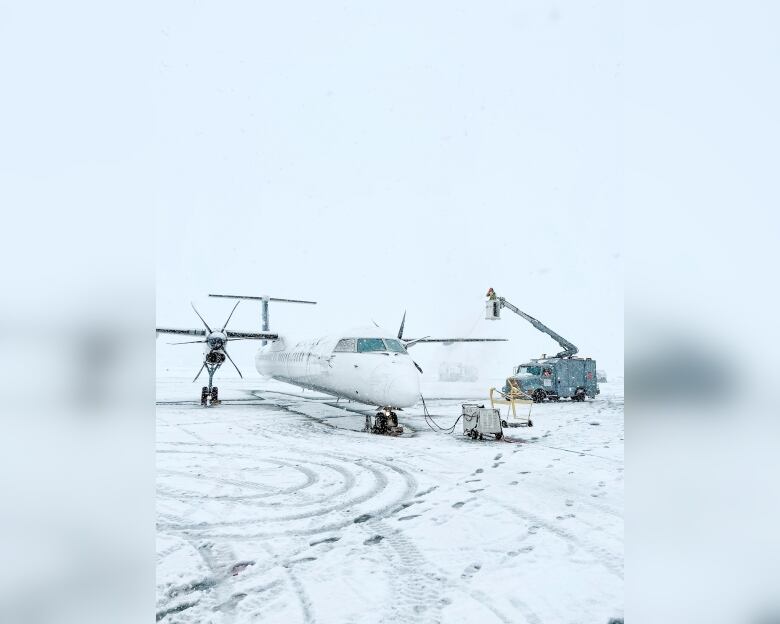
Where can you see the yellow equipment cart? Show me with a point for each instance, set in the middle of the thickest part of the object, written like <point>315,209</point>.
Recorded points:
<point>514,398</point>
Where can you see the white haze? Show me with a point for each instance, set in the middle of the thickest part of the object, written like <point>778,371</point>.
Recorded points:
<point>389,158</point>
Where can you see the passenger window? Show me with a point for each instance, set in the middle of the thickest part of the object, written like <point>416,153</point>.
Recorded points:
<point>365,345</point>
<point>346,345</point>
<point>394,345</point>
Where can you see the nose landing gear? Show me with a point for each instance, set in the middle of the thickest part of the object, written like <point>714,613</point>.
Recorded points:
<point>385,422</point>
<point>209,395</point>
<point>207,399</point>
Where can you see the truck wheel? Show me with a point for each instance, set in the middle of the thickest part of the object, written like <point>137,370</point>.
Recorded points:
<point>579,395</point>
<point>539,395</point>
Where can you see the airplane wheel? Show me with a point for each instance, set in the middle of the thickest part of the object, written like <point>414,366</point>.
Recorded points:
<point>499,436</point>
<point>503,423</point>
<point>215,394</point>
<point>368,423</point>
<point>530,423</point>
<point>393,419</point>
<point>204,395</point>
<point>381,423</point>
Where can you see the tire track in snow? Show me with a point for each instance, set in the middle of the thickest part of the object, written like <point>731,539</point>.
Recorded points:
<point>378,469</point>
<point>611,562</point>
<point>380,483</point>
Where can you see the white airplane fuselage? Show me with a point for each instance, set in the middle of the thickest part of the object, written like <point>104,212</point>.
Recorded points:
<point>383,378</point>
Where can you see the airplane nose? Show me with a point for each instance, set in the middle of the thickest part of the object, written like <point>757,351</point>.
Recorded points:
<point>404,389</point>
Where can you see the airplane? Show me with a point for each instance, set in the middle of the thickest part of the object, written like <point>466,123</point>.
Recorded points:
<point>215,349</point>
<point>366,364</point>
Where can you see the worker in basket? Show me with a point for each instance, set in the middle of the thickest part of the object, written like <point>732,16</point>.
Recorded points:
<point>491,294</point>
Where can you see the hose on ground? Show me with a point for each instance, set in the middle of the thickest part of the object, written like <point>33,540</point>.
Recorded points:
<point>429,419</point>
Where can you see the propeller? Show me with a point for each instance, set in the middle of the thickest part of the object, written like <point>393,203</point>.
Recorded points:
<point>220,342</point>
<point>409,343</point>
<point>229,315</point>
<point>199,372</point>
<point>201,318</point>
<point>231,360</point>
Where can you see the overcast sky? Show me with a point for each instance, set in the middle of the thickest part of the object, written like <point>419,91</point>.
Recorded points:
<point>389,157</point>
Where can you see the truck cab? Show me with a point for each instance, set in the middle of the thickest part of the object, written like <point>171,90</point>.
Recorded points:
<point>555,378</point>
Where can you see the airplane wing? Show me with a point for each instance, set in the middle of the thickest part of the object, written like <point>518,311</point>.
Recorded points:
<point>232,335</point>
<point>186,332</point>
<point>447,341</point>
<point>236,335</point>
<point>410,342</point>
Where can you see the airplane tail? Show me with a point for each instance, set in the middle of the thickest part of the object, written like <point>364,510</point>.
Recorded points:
<point>264,304</point>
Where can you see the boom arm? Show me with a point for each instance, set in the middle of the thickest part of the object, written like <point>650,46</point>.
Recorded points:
<point>568,348</point>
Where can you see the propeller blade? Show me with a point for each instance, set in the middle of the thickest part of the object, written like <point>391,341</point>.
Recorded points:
<point>231,314</point>
<point>200,317</point>
<point>233,363</point>
<point>418,366</point>
<point>401,329</point>
<point>188,342</point>
<point>411,343</point>
<point>199,372</point>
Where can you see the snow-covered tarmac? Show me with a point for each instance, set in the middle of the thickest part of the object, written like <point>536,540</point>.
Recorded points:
<point>275,507</point>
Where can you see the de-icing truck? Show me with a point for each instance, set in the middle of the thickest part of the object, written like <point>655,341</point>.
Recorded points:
<point>553,378</point>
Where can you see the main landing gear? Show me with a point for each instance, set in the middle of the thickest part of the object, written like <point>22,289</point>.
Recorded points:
<point>385,422</point>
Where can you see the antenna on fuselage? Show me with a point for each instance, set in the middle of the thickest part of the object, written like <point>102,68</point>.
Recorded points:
<point>264,301</point>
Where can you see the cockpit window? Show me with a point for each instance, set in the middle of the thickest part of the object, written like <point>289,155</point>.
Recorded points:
<point>365,345</point>
<point>394,345</point>
<point>346,344</point>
